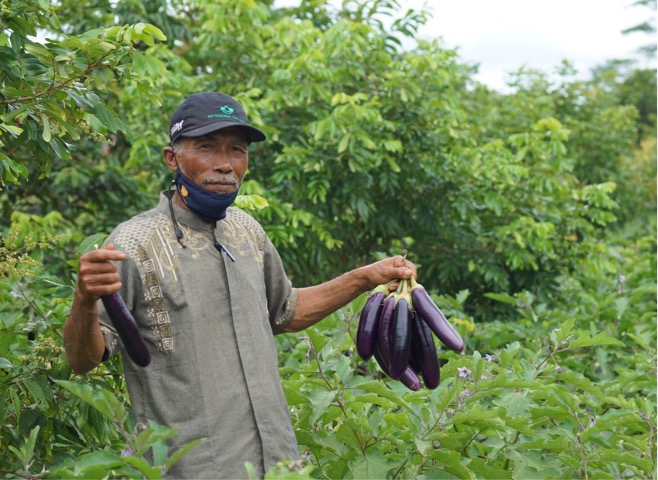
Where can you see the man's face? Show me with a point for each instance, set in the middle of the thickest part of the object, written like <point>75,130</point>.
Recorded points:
<point>216,162</point>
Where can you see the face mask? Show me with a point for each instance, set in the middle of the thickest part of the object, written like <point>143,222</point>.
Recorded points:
<point>208,206</point>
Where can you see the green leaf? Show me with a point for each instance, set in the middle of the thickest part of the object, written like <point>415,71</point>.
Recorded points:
<point>89,465</point>
<point>251,202</point>
<point>16,402</point>
<point>28,448</point>
<point>160,451</point>
<point>90,243</point>
<point>452,463</point>
<point>36,391</point>
<point>581,382</point>
<point>292,390</point>
<point>560,334</point>
<point>178,454</point>
<point>47,134</point>
<point>502,297</point>
<point>395,167</point>
<point>344,142</point>
<point>374,464</point>
<point>480,417</point>
<point>26,452</point>
<point>379,388</point>
<point>4,405</point>
<point>12,129</point>
<point>602,338</point>
<point>317,339</point>
<point>102,400</point>
<point>155,31</point>
<point>144,467</point>
<point>626,458</point>
<point>5,364</point>
<point>11,170</point>
<point>374,399</point>
<point>484,468</point>
<point>320,401</point>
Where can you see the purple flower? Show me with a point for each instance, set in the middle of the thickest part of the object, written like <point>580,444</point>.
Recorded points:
<point>489,358</point>
<point>126,452</point>
<point>464,372</point>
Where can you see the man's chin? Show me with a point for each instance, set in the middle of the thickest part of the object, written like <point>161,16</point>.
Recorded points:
<point>221,191</point>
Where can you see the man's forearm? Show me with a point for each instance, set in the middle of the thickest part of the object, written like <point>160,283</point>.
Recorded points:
<point>317,302</point>
<point>83,339</point>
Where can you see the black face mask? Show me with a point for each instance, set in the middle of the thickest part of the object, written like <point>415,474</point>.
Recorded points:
<point>208,206</point>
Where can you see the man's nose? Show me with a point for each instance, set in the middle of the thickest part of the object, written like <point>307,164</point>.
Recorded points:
<point>222,162</point>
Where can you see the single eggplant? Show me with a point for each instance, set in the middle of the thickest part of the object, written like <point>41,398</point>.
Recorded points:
<point>413,355</point>
<point>409,378</point>
<point>424,352</point>
<point>127,328</point>
<point>430,313</point>
<point>401,339</point>
<point>384,330</point>
<point>366,334</point>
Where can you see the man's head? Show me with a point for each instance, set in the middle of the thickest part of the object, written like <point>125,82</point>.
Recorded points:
<point>207,112</point>
<point>208,151</point>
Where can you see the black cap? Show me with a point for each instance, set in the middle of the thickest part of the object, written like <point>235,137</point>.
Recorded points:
<point>202,113</point>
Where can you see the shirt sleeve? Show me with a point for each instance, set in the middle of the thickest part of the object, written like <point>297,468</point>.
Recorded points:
<point>281,297</point>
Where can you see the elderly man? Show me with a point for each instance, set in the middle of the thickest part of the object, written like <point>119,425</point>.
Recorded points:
<point>208,291</point>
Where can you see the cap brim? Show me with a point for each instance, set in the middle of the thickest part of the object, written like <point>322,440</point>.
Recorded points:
<point>254,134</point>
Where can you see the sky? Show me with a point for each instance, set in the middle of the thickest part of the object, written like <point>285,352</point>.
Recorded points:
<point>502,36</point>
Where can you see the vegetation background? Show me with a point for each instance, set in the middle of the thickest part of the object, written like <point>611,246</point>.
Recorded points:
<point>531,216</point>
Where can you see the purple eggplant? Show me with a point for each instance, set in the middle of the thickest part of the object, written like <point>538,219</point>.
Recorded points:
<point>409,378</point>
<point>127,328</point>
<point>430,313</point>
<point>366,334</point>
<point>401,339</point>
<point>424,352</point>
<point>414,362</point>
<point>384,330</point>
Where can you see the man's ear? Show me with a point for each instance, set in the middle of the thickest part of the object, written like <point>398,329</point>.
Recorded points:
<point>170,158</point>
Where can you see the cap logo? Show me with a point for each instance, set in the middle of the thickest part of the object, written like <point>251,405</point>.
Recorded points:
<point>226,111</point>
<point>177,126</point>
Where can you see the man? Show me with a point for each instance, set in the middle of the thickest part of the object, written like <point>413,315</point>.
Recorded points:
<point>208,291</point>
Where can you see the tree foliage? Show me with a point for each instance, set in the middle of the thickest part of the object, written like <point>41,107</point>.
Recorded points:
<point>530,215</point>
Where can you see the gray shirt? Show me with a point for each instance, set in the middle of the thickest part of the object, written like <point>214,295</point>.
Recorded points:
<point>208,322</point>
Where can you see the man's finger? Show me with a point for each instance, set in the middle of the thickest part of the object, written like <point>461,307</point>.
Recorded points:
<point>104,255</point>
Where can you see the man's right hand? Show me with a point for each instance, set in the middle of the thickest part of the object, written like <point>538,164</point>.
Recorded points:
<point>97,275</point>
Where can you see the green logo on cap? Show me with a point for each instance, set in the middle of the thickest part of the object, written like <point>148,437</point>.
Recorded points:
<point>226,112</point>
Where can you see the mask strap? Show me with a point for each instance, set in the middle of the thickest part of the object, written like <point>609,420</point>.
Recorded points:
<point>177,229</point>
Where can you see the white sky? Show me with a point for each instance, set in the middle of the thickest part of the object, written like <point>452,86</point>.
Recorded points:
<point>504,35</point>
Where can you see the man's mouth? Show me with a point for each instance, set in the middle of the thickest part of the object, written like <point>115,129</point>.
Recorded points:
<point>220,186</point>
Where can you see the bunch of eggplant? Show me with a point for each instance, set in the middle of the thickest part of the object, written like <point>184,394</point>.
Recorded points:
<point>396,328</point>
